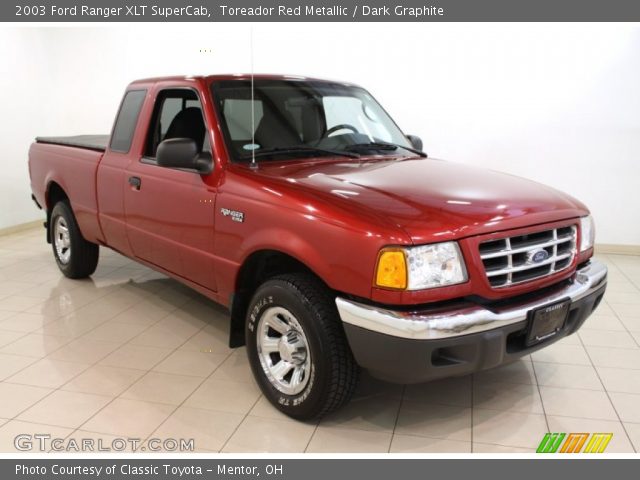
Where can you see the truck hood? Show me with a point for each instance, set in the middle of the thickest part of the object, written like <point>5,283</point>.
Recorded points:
<point>430,199</point>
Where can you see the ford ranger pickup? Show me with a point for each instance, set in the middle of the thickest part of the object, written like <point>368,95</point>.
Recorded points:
<point>333,240</point>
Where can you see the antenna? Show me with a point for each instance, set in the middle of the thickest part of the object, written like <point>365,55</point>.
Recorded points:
<point>254,165</point>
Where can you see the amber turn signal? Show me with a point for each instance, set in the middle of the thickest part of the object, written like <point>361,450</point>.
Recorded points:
<point>391,271</point>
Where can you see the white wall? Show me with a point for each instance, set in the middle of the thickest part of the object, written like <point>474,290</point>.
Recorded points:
<point>556,103</point>
<point>21,61</point>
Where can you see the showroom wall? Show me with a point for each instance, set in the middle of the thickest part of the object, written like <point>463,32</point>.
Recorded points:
<point>555,103</point>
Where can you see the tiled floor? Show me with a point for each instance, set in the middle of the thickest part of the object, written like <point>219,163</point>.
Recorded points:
<point>130,353</point>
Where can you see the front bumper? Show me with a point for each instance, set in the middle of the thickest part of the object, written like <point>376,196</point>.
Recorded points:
<point>418,346</point>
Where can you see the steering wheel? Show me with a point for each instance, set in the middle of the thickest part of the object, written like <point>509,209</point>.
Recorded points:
<point>342,126</point>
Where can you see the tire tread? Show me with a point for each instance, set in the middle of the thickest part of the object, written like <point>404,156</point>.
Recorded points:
<point>84,254</point>
<point>344,380</point>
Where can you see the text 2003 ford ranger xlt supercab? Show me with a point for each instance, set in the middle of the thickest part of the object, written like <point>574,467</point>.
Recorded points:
<point>333,240</point>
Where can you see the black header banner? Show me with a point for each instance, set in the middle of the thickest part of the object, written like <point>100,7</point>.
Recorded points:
<point>319,11</point>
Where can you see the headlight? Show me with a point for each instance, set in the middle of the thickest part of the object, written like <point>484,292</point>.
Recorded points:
<point>587,233</point>
<point>418,268</point>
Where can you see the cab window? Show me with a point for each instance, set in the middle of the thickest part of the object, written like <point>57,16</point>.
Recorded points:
<point>177,114</point>
<point>125,125</point>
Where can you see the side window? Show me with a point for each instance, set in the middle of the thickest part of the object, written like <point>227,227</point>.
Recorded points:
<point>126,120</point>
<point>177,114</point>
<point>170,108</point>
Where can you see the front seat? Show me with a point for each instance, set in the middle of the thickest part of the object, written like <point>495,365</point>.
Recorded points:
<point>276,130</point>
<point>188,123</point>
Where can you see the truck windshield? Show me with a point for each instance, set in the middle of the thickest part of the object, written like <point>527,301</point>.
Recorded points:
<point>293,118</point>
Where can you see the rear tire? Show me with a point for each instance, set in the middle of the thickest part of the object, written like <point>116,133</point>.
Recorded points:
<point>297,347</point>
<point>76,257</point>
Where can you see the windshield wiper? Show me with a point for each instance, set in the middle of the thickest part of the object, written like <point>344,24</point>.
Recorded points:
<point>299,149</point>
<point>384,146</point>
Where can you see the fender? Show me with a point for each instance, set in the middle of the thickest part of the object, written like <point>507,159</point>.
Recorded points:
<point>74,170</point>
<point>296,253</point>
<point>288,243</point>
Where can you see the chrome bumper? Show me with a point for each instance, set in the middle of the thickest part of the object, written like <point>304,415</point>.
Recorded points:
<point>438,324</point>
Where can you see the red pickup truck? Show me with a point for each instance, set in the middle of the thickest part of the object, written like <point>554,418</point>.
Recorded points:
<point>333,240</point>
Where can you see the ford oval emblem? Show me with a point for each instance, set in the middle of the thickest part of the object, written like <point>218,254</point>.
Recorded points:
<point>537,256</point>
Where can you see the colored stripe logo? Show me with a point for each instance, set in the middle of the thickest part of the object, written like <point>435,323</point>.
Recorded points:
<point>550,442</point>
<point>574,443</point>
<point>598,442</point>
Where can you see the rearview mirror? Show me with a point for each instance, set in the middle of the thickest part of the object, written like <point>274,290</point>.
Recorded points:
<point>416,142</point>
<point>183,153</point>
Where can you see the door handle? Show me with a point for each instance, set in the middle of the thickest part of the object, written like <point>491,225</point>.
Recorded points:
<point>135,182</point>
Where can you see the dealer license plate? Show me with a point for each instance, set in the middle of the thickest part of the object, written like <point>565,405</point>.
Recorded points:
<point>545,322</point>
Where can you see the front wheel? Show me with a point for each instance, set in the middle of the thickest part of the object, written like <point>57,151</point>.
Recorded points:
<point>76,257</point>
<point>297,347</point>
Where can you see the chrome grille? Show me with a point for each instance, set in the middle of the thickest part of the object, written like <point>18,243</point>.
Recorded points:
<point>517,259</point>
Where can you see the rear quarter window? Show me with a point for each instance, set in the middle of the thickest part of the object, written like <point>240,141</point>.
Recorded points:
<point>126,120</point>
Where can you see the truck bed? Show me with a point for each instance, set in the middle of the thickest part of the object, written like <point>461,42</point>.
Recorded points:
<point>90,142</point>
<point>72,164</point>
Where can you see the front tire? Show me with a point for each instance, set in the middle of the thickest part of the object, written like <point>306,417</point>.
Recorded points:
<point>76,257</point>
<point>297,348</point>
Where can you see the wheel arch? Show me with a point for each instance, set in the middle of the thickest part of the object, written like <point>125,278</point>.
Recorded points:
<point>54,194</point>
<point>257,268</point>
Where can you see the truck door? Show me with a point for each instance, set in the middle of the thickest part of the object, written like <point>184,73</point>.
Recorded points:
<point>170,212</point>
<point>112,167</point>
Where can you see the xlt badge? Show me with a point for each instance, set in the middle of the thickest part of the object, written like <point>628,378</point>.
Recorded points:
<point>235,215</point>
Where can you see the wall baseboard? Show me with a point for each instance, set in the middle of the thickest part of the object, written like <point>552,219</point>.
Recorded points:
<point>617,249</point>
<point>20,227</point>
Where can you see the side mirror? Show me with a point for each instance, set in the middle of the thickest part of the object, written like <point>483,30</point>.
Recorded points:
<point>416,142</point>
<point>183,153</point>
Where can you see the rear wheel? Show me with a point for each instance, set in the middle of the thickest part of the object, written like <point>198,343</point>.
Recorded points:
<point>297,348</point>
<point>76,257</point>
